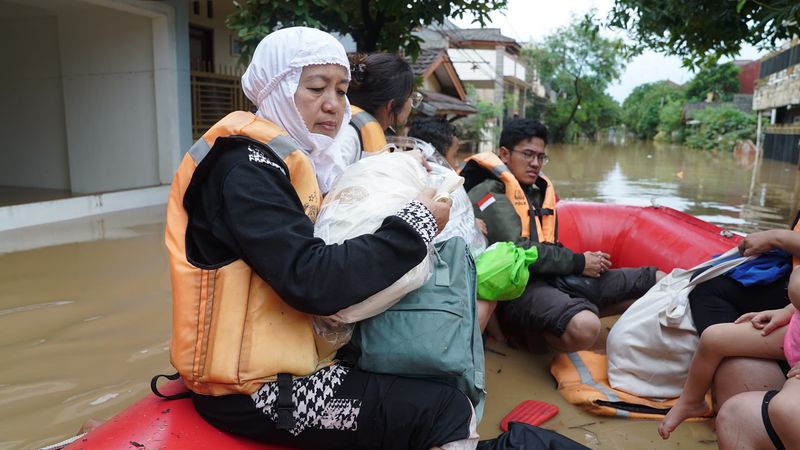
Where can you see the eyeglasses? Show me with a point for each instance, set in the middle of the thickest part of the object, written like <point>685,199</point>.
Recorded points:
<point>416,99</point>
<point>528,155</point>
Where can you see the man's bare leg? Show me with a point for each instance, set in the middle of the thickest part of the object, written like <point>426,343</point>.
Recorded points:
<point>739,424</point>
<point>736,375</point>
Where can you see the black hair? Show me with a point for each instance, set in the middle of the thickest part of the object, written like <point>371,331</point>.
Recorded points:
<point>434,130</point>
<point>377,78</point>
<point>517,130</point>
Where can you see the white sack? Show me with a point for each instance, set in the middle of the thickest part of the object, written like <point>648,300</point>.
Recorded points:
<point>651,345</point>
<point>363,196</point>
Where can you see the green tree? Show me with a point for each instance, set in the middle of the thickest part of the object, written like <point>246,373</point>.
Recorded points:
<point>578,64</point>
<point>701,31</point>
<point>721,80</point>
<point>598,112</point>
<point>642,108</point>
<point>374,24</point>
<point>670,120</point>
<point>720,128</point>
<point>474,128</point>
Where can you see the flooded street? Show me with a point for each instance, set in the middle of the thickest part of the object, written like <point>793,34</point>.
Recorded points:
<point>85,305</point>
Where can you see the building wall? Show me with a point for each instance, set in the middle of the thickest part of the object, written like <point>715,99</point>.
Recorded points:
<point>484,90</point>
<point>782,147</point>
<point>431,84</point>
<point>747,77</point>
<point>109,99</point>
<point>778,89</point>
<point>33,151</point>
<point>224,45</point>
<point>512,68</point>
<point>473,65</point>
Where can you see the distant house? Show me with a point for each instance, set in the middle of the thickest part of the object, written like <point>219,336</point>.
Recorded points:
<point>442,89</point>
<point>489,62</point>
<point>777,98</point>
<point>748,74</point>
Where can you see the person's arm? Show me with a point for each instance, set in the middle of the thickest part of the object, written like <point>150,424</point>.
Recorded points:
<point>493,207</point>
<point>794,288</point>
<point>764,241</point>
<point>274,236</point>
<point>490,205</point>
<point>557,260</point>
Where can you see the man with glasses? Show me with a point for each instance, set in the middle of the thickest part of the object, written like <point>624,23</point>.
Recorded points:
<point>567,291</point>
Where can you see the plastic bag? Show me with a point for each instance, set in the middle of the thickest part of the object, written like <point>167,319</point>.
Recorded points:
<point>462,217</point>
<point>362,197</point>
<point>503,271</point>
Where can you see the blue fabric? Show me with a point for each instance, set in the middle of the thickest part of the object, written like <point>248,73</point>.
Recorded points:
<point>765,269</point>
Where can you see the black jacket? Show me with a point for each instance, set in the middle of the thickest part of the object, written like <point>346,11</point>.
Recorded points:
<point>246,208</point>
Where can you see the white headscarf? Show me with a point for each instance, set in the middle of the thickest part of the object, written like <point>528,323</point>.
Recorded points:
<point>273,75</point>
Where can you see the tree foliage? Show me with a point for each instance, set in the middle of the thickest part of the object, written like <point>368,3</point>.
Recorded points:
<point>578,64</point>
<point>384,25</point>
<point>720,128</point>
<point>701,31</point>
<point>670,121</point>
<point>642,108</point>
<point>598,112</point>
<point>475,127</point>
<point>721,80</point>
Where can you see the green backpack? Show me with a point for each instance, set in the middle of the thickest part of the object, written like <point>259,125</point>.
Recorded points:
<point>433,331</point>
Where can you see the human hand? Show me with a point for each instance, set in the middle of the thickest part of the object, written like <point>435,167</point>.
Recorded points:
<point>596,263</point>
<point>757,243</point>
<point>481,226</point>
<point>440,209</point>
<point>769,320</point>
<point>794,371</point>
<point>417,155</point>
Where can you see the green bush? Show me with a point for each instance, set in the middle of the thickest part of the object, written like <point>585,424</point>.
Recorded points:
<point>669,120</point>
<point>720,128</point>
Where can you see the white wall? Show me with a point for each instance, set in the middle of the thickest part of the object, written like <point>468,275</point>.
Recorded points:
<point>33,151</point>
<point>512,68</point>
<point>109,99</point>
<point>432,84</point>
<point>473,65</point>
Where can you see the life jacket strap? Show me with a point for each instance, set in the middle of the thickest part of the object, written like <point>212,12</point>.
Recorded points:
<point>539,212</point>
<point>173,377</point>
<point>285,405</point>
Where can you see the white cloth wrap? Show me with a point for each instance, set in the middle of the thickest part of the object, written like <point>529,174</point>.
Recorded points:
<point>363,196</point>
<point>273,75</point>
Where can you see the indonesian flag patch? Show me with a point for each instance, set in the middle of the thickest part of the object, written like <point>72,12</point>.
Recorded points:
<point>486,201</point>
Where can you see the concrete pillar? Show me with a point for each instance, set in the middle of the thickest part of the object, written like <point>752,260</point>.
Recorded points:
<point>500,51</point>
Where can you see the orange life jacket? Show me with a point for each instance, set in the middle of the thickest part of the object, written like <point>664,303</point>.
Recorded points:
<point>583,381</point>
<point>544,218</point>
<point>370,131</point>
<point>231,332</point>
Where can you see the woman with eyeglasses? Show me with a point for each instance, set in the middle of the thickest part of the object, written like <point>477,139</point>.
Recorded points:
<point>381,95</point>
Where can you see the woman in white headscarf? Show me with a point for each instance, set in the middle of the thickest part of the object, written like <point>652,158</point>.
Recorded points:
<point>247,273</point>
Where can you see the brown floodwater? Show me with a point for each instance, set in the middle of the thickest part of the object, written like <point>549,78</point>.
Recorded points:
<point>85,305</point>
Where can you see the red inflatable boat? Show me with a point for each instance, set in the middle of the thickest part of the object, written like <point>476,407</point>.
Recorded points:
<point>634,236</point>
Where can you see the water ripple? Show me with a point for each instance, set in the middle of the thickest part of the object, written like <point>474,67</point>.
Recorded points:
<point>34,307</point>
